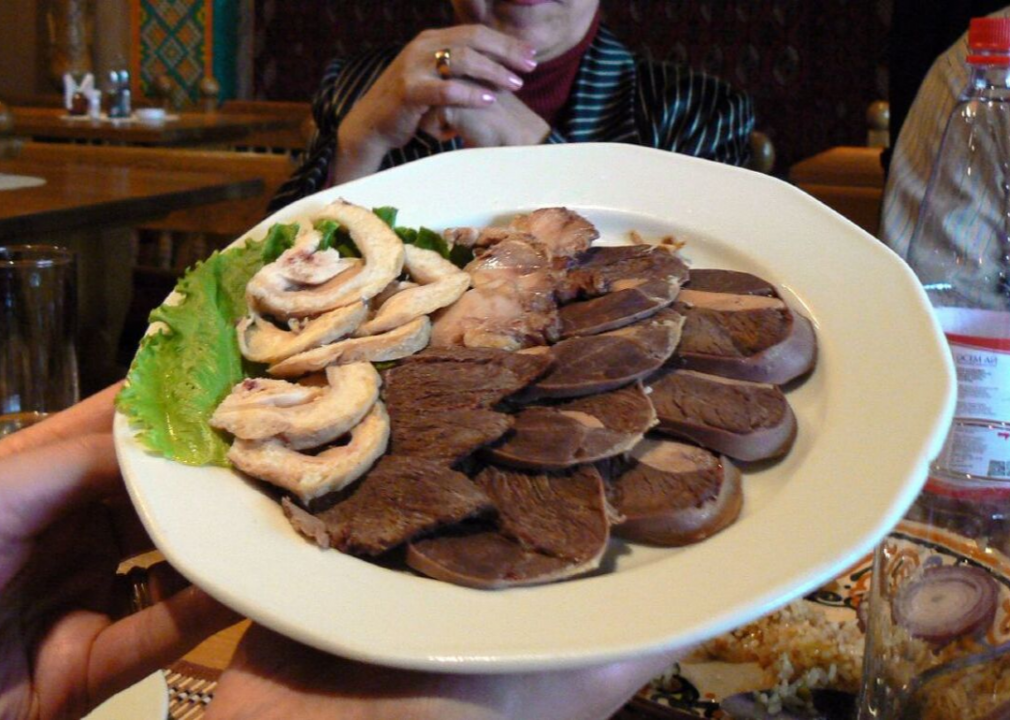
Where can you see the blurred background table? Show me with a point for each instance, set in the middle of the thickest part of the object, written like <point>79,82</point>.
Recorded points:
<point>79,196</point>
<point>93,207</point>
<point>183,128</point>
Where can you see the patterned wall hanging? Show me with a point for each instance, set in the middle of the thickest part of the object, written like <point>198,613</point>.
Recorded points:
<point>173,38</point>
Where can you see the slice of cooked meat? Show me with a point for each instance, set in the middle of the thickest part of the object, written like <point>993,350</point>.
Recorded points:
<point>393,345</point>
<point>382,249</point>
<point>351,392</point>
<point>444,435</point>
<point>729,281</point>
<point>312,476</point>
<point>671,493</point>
<point>746,337</point>
<point>561,232</point>
<point>414,302</point>
<point>577,431</point>
<point>744,420</point>
<point>460,378</point>
<point>261,341</point>
<point>551,527</point>
<point>561,515</point>
<point>606,269</point>
<point>598,363</point>
<point>615,309</point>
<point>511,305</point>
<point>400,499</point>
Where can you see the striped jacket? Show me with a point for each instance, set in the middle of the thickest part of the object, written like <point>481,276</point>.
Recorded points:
<point>616,97</point>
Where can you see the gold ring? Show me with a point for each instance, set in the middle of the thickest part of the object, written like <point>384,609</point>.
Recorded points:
<point>443,63</point>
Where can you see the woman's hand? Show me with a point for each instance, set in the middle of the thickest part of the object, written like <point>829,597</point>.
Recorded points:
<point>65,524</point>
<point>508,122</point>
<point>483,62</point>
<point>275,678</point>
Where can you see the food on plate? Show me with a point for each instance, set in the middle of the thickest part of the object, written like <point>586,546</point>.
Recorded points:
<point>516,273</point>
<point>550,527</point>
<point>744,420</point>
<point>401,498</point>
<point>262,341</point>
<point>575,432</point>
<point>598,363</point>
<point>513,423</point>
<point>395,344</point>
<point>271,291</point>
<point>670,493</point>
<point>607,269</point>
<point>307,476</point>
<point>746,337</point>
<point>804,660</point>
<point>258,409</point>
<point>947,602</point>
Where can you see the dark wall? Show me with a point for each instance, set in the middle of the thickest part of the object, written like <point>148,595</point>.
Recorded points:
<point>811,67</point>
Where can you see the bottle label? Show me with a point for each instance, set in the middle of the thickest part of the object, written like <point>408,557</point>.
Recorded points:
<point>977,450</point>
<point>979,440</point>
<point>980,344</point>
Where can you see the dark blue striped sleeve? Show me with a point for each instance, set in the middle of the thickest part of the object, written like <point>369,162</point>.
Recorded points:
<point>694,113</point>
<point>344,81</point>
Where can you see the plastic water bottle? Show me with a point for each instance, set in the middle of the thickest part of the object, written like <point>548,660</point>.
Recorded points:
<point>961,252</point>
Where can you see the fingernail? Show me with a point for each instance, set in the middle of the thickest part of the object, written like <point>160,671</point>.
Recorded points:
<point>487,98</point>
<point>530,51</point>
<point>530,64</point>
<point>515,82</point>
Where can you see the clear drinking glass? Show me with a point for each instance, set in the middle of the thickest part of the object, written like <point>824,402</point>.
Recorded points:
<point>938,613</point>
<point>38,326</point>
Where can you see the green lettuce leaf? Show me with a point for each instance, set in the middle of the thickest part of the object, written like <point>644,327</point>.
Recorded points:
<point>182,373</point>
<point>279,238</point>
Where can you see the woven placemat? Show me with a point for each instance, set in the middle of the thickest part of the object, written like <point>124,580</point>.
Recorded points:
<point>190,688</point>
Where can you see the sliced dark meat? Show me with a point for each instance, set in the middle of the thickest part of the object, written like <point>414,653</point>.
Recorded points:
<point>606,269</point>
<point>459,378</point>
<point>598,363</point>
<point>615,309</point>
<point>729,281</point>
<point>577,431</point>
<point>551,527</point>
<point>744,420</point>
<point>444,435</point>
<point>671,493</point>
<point>746,337</point>
<point>399,499</point>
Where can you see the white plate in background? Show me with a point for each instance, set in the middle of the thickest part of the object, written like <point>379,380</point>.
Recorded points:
<point>147,700</point>
<point>870,417</point>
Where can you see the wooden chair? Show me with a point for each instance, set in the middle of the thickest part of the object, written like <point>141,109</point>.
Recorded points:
<point>290,141</point>
<point>850,179</point>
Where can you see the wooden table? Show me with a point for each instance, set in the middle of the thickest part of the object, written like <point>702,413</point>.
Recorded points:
<point>78,196</point>
<point>186,129</point>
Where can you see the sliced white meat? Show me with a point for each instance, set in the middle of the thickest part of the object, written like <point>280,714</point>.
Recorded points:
<point>393,345</point>
<point>416,302</point>
<point>263,342</point>
<point>352,390</point>
<point>304,263</point>
<point>311,476</point>
<point>381,250</point>
<point>426,266</point>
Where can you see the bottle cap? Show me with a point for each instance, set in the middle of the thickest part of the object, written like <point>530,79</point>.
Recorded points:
<point>988,35</point>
